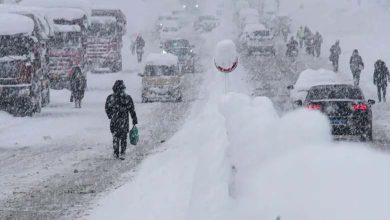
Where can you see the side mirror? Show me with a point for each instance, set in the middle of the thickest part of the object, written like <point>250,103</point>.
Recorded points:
<point>141,74</point>
<point>298,102</point>
<point>290,87</point>
<point>371,102</point>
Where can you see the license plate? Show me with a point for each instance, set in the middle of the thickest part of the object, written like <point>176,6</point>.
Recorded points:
<point>337,121</point>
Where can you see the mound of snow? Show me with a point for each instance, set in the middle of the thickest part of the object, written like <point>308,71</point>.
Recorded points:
<point>12,24</point>
<point>225,54</point>
<point>161,59</point>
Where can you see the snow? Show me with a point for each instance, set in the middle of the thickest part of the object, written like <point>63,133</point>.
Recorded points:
<point>65,13</point>
<point>12,24</point>
<point>161,59</point>
<point>12,58</point>
<point>103,19</point>
<point>249,28</point>
<point>59,28</point>
<point>225,54</point>
<point>84,5</point>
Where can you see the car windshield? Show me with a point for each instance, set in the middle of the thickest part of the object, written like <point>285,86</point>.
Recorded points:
<point>67,39</point>
<point>152,70</point>
<point>102,30</point>
<point>334,92</point>
<point>261,33</point>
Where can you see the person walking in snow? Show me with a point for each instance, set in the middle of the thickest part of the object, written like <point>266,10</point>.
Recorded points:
<point>292,48</point>
<point>139,47</point>
<point>78,84</point>
<point>317,44</point>
<point>301,36</point>
<point>119,106</point>
<point>356,64</point>
<point>335,52</point>
<point>381,76</point>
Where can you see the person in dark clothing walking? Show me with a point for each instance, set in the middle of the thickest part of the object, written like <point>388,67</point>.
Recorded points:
<point>118,107</point>
<point>317,44</point>
<point>381,76</point>
<point>356,64</point>
<point>139,47</point>
<point>78,84</point>
<point>335,52</point>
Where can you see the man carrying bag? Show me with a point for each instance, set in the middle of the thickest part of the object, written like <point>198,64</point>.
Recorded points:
<point>118,107</point>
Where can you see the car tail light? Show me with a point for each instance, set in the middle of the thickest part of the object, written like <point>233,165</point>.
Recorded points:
<point>25,73</point>
<point>313,106</point>
<point>361,107</point>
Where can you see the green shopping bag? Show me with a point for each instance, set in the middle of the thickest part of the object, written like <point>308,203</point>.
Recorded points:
<point>134,136</point>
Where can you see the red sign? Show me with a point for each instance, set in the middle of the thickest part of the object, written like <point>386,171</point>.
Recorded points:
<point>228,69</point>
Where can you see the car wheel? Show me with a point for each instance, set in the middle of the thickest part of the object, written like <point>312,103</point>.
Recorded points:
<point>367,135</point>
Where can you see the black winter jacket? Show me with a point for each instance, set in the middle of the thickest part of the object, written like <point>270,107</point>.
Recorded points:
<point>118,107</point>
<point>381,74</point>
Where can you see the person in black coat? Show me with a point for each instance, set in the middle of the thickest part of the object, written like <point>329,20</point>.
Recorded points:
<point>381,75</point>
<point>118,107</point>
<point>356,64</point>
<point>139,47</point>
<point>78,84</point>
<point>335,52</point>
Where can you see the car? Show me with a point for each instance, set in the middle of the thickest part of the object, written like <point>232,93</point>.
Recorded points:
<point>257,38</point>
<point>184,52</point>
<point>348,111</point>
<point>161,79</point>
<point>311,77</point>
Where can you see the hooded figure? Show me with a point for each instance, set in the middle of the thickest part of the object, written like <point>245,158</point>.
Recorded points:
<point>78,84</point>
<point>139,47</point>
<point>356,64</point>
<point>317,44</point>
<point>335,52</point>
<point>118,107</point>
<point>381,75</point>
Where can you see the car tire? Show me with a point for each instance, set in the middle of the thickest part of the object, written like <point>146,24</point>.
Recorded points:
<point>367,135</point>
<point>117,67</point>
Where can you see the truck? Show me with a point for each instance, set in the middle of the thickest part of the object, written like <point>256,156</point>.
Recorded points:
<point>105,43</point>
<point>66,55</point>
<point>22,73</point>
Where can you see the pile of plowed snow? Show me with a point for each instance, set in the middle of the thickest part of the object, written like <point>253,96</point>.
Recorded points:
<point>237,159</point>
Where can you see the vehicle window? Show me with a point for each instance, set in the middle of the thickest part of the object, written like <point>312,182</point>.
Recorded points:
<point>339,92</point>
<point>61,40</point>
<point>14,46</point>
<point>102,30</point>
<point>151,70</point>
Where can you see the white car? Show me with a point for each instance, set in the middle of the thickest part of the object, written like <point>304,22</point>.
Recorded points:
<point>161,79</point>
<point>257,38</point>
<point>310,78</point>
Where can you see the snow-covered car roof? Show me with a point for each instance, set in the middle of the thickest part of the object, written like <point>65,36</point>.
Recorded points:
<point>161,59</point>
<point>12,24</point>
<point>255,27</point>
<point>84,5</point>
<point>103,19</point>
<point>59,28</point>
<point>310,78</point>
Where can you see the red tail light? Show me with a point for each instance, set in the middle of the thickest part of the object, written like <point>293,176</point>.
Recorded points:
<point>313,106</point>
<point>361,107</point>
<point>25,73</point>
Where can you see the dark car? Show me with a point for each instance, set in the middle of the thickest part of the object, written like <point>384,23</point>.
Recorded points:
<point>184,52</point>
<point>348,111</point>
